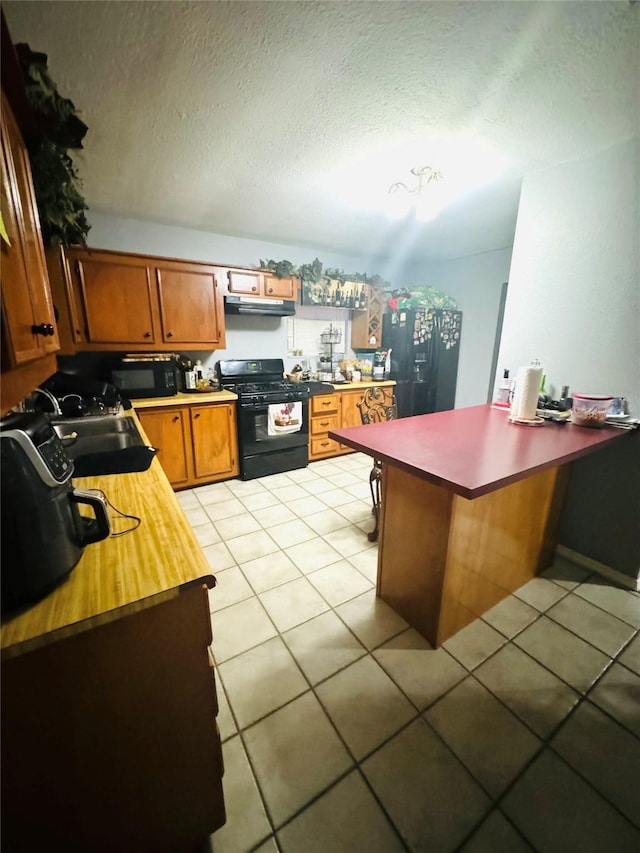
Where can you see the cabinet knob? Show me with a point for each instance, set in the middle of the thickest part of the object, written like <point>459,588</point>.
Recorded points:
<point>176,418</point>
<point>254,288</point>
<point>44,329</point>
<point>197,415</point>
<point>169,334</point>
<point>147,334</point>
<point>270,290</point>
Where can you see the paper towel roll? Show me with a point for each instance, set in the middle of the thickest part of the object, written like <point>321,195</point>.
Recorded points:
<point>526,393</point>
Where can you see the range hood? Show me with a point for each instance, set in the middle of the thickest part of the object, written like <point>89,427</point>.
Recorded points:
<point>264,307</point>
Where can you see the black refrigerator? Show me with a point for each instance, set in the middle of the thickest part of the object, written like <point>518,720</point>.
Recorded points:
<point>425,346</point>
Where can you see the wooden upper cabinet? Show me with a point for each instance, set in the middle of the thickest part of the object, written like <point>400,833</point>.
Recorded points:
<point>117,300</point>
<point>261,284</point>
<point>189,306</point>
<point>29,326</point>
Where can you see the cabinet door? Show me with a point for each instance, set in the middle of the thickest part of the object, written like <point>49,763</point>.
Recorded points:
<point>168,430</point>
<point>279,288</point>
<point>29,324</point>
<point>214,441</point>
<point>189,310</point>
<point>117,299</point>
<point>245,282</point>
<point>350,413</point>
<point>366,326</point>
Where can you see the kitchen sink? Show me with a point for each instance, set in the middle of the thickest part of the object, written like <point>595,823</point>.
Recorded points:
<point>103,445</point>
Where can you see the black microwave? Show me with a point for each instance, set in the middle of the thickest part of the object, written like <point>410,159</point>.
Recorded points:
<point>152,375</point>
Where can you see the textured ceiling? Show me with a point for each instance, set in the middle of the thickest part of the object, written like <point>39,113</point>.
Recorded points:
<point>288,121</point>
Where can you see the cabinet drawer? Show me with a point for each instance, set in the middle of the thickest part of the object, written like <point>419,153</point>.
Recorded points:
<point>323,423</point>
<point>324,403</point>
<point>324,445</point>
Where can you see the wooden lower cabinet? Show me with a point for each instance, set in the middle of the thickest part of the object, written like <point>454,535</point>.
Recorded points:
<point>335,411</point>
<point>109,736</point>
<point>196,443</point>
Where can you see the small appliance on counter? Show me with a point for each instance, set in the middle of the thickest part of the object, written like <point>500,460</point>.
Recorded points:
<point>43,533</point>
<point>79,396</point>
<point>150,374</point>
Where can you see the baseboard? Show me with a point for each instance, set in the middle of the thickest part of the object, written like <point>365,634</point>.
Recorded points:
<point>601,568</point>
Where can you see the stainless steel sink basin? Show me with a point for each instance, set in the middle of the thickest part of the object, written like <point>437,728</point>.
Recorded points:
<point>103,445</point>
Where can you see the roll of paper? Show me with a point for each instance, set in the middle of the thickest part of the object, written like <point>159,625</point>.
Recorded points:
<point>526,393</point>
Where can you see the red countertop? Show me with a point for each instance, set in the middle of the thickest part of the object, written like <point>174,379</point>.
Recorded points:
<point>475,450</point>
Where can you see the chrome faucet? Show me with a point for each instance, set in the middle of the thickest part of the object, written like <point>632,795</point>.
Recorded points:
<point>54,402</point>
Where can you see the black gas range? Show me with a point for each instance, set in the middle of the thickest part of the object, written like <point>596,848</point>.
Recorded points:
<point>273,416</point>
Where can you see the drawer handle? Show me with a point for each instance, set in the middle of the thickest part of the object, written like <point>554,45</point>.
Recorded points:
<point>324,423</point>
<point>327,403</point>
<point>44,329</point>
<point>324,443</point>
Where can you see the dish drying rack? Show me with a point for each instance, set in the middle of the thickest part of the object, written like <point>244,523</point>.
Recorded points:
<point>330,338</point>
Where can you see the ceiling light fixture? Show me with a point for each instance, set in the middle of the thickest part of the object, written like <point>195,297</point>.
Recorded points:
<point>424,201</point>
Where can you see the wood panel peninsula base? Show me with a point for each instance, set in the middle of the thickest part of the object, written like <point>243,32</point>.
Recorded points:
<point>470,508</point>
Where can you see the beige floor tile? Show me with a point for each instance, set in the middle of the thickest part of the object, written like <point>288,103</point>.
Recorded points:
<point>361,491</point>
<point>345,819</point>
<point>237,525</point>
<point>616,778</point>
<point>306,506</point>
<point>619,602</point>
<point>238,628</point>
<point>206,534</point>
<point>225,720</point>
<point>272,515</point>
<point>335,498</point>
<point>318,487</point>
<point>557,811</point>
<point>422,673</point>
<point>215,494</point>
<point>187,499</point>
<point>592,624</point>
<point>365,705</point>
<point>428,794</point>
<point>367,563</point>
<point>496,835</point>
<point>539,698</point>
<point>541,593</point>
<point>348,541</point>
<point>630,657</point>
<point>474,644</point>
<point>279,681</point>
<point>291,533</point>
<point>565,573</point>
<point>356,511</point>
<point>225,509</point>
<point>230,588</point>
<point>313,554</point>
<point>339,582</point>
<point>259,501</point>
<point>245,487</point>
<point>218,556</point>
<point>371,619</point>
<point>290,493</point>
<point>251,546</point>
<point>618,693</point>
<point>269,571</point>
<point>247,822</point>
<point>510,616</point>
<point>296,754</point>
<point>325,467</point>
<point>322,646</point>
<point>197,516</point>
<point>492,744</point>
<point>269,846</point>
<point>276,481</point>
<point>303,475</point>
<point>344,478</point>
<point>326,521</point>
<point>575,661</point>
<point>293,603</point>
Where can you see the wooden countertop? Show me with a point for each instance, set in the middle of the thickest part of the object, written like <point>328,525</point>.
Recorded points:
<point>182,398</point>
<point>130,572</point>
<point>359,386</point>
<point>475,450</point>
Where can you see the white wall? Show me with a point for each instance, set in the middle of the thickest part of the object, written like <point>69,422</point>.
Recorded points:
<point>475,282</point>
<point>574,285</point>
<point>574,302</point>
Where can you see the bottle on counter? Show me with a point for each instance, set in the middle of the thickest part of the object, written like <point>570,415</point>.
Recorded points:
<point>189,377</point>
<point>503,394</point>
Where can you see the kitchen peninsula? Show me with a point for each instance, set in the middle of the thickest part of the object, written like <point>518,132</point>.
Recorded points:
<point>470,508</point>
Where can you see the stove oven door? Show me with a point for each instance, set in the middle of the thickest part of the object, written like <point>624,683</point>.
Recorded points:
<point>268,442</point>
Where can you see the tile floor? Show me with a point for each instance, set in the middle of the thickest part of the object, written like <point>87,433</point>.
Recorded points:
<point>344,731</point>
